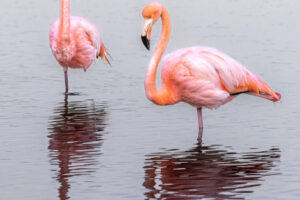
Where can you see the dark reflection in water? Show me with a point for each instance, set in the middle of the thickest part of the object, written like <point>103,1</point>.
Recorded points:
<point>76,135</point>
<point>206,172</point>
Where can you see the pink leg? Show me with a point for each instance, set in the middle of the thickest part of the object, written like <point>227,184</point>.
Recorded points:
<point>200,122</point>
<point>66,80</point>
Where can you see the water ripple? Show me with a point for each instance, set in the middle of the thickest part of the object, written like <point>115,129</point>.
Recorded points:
<point>75,138</point>
<point>206,172</point>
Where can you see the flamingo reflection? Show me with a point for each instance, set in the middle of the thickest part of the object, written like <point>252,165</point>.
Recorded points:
<point>75,138</point>
<point>206,172</point>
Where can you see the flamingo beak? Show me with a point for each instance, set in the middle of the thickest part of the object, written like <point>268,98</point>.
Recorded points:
<point>146,33</point>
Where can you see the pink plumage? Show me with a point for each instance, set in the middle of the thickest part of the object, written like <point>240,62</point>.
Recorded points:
<point>206,77</point>
<point>199,76</point>
<point>75,42</point>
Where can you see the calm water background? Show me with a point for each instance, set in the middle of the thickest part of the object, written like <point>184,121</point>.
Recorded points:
<point>110,142</point>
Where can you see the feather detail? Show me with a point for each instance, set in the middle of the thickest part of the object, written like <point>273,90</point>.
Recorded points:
<point>103,53</point>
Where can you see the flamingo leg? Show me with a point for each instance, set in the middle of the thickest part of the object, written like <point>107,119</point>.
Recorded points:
<point>66,80</point>
<point>200,122</point>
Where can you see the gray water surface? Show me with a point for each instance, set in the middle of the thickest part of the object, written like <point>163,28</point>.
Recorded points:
<point>110,142</point>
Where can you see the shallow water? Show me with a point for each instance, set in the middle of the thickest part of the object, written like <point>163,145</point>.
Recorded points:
<point>110,142</point>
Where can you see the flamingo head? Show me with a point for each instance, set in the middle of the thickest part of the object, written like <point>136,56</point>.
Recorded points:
<point>151,14</point>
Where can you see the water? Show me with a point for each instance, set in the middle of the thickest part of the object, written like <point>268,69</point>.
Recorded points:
<point>110,142</point>
<point>207,171</point>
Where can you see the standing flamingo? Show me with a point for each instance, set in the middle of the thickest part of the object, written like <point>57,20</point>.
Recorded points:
<point>199,76</point>
<point>75,42</point>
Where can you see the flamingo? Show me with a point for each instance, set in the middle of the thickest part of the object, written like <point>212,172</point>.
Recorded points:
<point>75,42</point>
<point>199,76</point>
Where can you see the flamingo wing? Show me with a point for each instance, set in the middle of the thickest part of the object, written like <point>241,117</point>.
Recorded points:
<point>87,41</point>
<point>207,77</point>
<point>91,33</point>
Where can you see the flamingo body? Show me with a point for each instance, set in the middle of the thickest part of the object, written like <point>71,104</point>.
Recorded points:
<point>84,47</point>
<point>206,77</point>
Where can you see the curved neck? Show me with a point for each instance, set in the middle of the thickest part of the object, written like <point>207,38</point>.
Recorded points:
<point>158,96</point>
<point>64,28</point>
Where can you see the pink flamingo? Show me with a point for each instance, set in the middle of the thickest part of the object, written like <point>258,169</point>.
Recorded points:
<point>75,42</point>
<point>199,76</point>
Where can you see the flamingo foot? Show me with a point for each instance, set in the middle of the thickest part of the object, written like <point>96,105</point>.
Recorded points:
<point>72,93</point>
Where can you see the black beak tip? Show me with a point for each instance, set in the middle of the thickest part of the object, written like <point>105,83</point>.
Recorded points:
<point>146,42</point>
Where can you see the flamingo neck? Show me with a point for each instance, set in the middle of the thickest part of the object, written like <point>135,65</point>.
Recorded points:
<point>64,28</point>
<point>161,96</point>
